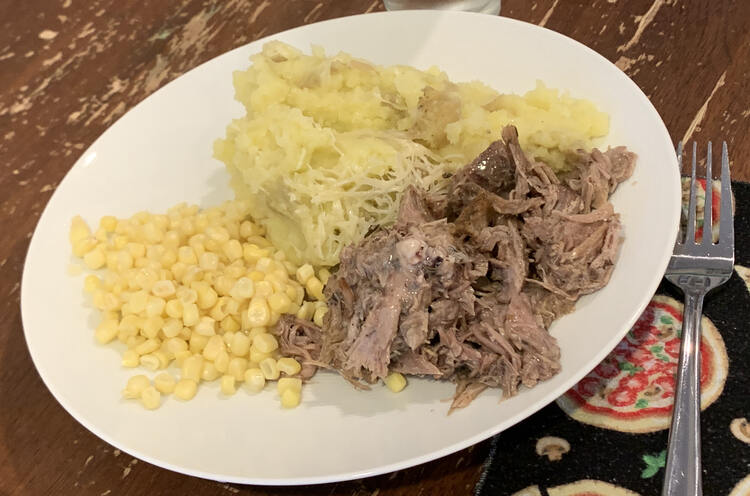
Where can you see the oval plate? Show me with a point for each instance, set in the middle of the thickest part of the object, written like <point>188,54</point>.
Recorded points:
<point>159,154</point>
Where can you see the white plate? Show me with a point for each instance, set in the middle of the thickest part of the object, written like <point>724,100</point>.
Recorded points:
<point>159,154</point>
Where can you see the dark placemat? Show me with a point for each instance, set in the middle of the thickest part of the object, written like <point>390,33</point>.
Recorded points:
<point>613,426</point>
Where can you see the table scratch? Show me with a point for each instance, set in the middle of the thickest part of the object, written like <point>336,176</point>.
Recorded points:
<point>643,22</point>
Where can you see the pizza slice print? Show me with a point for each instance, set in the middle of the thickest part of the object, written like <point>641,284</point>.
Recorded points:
<point>632,390</point>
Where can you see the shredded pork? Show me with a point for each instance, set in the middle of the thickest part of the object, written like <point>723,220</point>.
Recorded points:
<point>465,285</point>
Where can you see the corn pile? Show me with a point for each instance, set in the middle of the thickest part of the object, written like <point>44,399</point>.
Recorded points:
<point>199,289</point>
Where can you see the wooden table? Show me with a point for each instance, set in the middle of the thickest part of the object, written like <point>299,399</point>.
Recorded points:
<point>70,68</point>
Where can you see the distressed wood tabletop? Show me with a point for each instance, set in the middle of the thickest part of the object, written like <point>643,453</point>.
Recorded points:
<point>70,68</point>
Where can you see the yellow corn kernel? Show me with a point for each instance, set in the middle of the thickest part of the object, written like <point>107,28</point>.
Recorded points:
<point>163,289</point>
<point>229,324</point>
<point>165,383</point>
<point>395,381</point>
<point>150,398</point>
<point>247,229</point>
<point>172,328</point>
<point>152,326</point>
<point>186,227</point>
<point>148,346</point>
<point>258,313</point>
<point>237,367</point>
<point>192,367</point>
<point>206,326</point>
<point>186,255</point>
<point>138,301</point>
<point>208,261</point>
<point>207,297</point>
<point>190,315</point>
<point>119,242</point>
<point>264,264</point>
<point>289,383</point>
<point>222,361</point>
<point>288,366</point>
<point>235,270</point>
<point>279,302</point>
<point>256,276</point>
<point>224,284</point>
<point>244,288</point>
<point>84,246</point>
<point>269,368</point>
<point>323,275</point>
<point>186,333</point>
<point>178,270</point>
<point>133,342</point>
<point>186,295</point>
<point>175,345</point>
<point>291,291</point>
<point>173,308</point>
<point>209,372</point>
<point>212,247</point>
<point>219,310</point>
<point>263,289</point>
<point>314,288</point>
<point>255,331</point>
<point>181,356</point>
<point>136,250</point>
<point>255,381</point>
<point>228,385</point>
<point>265,343</point>
<point>300,298</point>
<point>304,273</point>
<point>168,258</point>
<point>198,342</point>
<point>232,249</point>
<point>252,253</point>
<point>154,361</point>
<point>259,240</point>
<point>214,345</point>
<point>108,223</point>
<point>91,283</point>
<point>78,229</point>
<point>124,261</point>
<point>130,325</point>
<point>155,306</point>
<point>240,344</point>
<point>318,315</point>
<point>306,311</point>
<point>290,398</point>
<point>95,259</point>
<point>186,389</point>
<point>106,331</point>
<point>257,356</point>
<point>135,386</point>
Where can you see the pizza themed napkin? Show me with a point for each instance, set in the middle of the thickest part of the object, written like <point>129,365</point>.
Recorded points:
<point>608,434</point>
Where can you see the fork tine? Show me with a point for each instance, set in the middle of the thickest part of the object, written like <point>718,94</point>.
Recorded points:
<point>680,234</point>
<point>726,222</point>
<point>690,235</point>
<point>708,233</point>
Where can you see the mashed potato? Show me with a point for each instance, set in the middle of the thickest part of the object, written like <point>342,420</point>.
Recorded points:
<point>328,143</point>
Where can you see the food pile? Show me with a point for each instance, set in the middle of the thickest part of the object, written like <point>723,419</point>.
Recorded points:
<point>200,290</point>
<point>342,167</point>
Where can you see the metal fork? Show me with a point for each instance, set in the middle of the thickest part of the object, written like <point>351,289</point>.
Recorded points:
<point>696,268</point>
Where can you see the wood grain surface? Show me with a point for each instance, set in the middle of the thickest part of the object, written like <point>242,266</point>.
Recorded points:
<point>70,68</point>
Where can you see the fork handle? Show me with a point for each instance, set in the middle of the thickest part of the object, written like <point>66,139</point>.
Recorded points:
<point>682,476</point>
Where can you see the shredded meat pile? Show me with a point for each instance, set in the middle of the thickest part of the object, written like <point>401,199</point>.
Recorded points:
<point>464,286</point>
